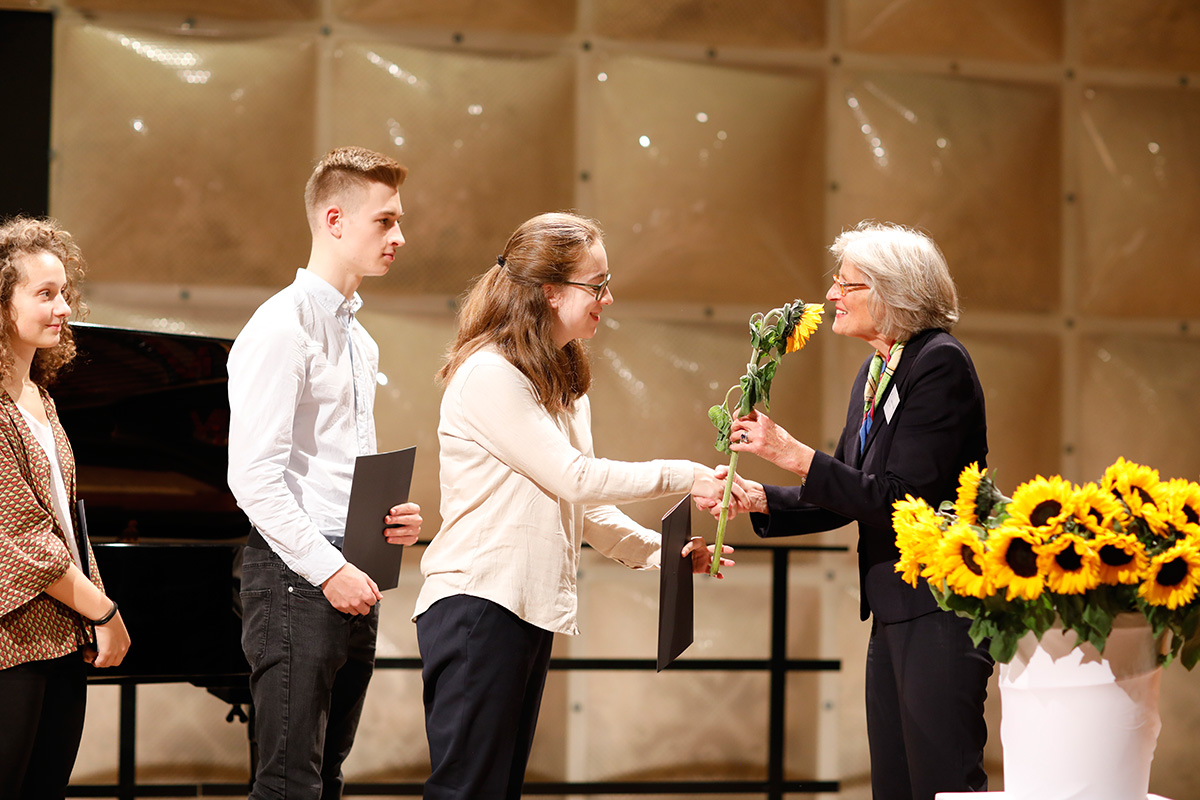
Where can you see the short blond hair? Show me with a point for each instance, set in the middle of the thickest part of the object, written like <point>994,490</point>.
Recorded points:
<point>910,288</point>
<point>344,169</point>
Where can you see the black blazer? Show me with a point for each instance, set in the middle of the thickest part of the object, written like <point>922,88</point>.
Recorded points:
<point>935,427</point>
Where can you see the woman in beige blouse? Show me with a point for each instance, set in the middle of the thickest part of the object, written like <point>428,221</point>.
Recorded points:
<point>54,615</point>
<point>521,490</point>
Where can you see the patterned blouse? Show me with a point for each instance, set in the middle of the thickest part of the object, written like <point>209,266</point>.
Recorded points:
<point>33,547</point>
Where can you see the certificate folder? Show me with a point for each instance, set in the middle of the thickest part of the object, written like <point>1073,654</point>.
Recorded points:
<point>381,481</point>
<point>675,600</point>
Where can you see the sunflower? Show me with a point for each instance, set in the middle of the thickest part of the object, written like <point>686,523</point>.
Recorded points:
<point>1172,576</point>
<point>1042,504</point>
<point>1182,506</point>
<point>918,530</point>
<point>1095,509</point>
<point>1012,561</point>
<point>1122,558</point>
<point>962,562</point>
<point>1069,564</point>
<point>966,505</point>
<point>810,318</point>
<point>1140,490</point>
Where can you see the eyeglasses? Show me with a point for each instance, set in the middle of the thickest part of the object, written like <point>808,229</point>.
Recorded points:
<point>598,288</point>
<point>845,287</point>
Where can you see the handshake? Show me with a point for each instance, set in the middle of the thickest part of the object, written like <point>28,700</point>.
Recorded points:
<point>758,434</point>
<point>708,489</point>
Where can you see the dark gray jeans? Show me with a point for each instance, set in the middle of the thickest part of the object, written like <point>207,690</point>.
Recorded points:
<point>309,669</point>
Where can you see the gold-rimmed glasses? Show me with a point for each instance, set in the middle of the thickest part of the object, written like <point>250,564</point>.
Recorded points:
<point>845,287</point>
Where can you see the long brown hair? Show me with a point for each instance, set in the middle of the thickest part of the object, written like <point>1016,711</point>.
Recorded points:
<point>21,236</point>
<point>507,308</point>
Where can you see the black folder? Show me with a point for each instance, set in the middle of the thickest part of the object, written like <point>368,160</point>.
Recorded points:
<point>675,598</point>
<point>381,481</point>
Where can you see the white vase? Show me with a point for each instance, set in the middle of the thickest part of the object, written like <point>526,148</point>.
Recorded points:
<point>1076,725</point>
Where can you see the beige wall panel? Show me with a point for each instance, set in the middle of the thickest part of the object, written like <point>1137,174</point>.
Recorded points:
<point>1139,190</point>
<point>1018,30</point>
<point>1142,34</point>
<point>524,16</point>
<point>182,736</point>
<point>487,139</point>
<point>406,407</point>
<point>205,10</point>
<point>1139,401</point>
<point>390,743</point>
<point>183,160</point>
<point>619,610</point>
<point>653,383</point>
<point>677,736</point>
<point>974,163</point>
<point>1176,771</point>
<point>704,176</point>
<point>98,754</point>
<point>1022,387</point>
<point>767,23</point>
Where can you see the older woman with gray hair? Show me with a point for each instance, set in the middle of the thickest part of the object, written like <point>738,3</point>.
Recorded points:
<point>916,419</point>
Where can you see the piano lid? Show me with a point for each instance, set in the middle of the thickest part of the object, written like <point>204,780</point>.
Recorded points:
<point>147,414</point>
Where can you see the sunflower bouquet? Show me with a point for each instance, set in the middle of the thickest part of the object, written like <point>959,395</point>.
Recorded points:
<point>1057,552</point>
<point>772,336</point>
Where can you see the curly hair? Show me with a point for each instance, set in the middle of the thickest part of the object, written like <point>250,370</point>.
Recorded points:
<point>21,236</point>
<point>507,308</point>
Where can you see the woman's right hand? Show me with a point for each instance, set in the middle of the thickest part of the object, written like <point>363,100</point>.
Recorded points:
<point>708,486</point>
<point>747,496</point>
<point>112,643</point>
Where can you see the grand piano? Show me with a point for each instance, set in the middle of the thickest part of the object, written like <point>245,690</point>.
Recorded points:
<point>148,418</point>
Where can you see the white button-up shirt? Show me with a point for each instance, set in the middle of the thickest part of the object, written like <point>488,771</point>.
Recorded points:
<point>301,397</point>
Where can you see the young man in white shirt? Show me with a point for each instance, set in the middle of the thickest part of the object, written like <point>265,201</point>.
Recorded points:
<point>302,377</point>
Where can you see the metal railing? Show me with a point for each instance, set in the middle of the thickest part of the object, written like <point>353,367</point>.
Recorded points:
<point>774,786</point>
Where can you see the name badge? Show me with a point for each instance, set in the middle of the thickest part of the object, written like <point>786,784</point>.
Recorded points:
<point>890,405</point>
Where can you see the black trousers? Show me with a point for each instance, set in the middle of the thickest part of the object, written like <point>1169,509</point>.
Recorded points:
<point>43,705</point>
<point>926,685</point>
<point>484,672</point>
<point>310,665</point>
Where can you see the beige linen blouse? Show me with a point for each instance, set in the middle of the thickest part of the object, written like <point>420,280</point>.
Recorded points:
<point>521,490</point>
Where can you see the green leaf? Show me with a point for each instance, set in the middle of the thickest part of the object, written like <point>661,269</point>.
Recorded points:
<point>746,404</point>
<point>1097,613</point>
<point>719,416</point>
<point>1189,653</point>
<point>982,628</point>
<point>1004,646</point>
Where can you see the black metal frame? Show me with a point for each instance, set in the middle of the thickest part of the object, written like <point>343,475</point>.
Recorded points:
<point>778,665</point>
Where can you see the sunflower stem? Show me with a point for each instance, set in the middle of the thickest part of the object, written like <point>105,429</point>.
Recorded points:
<point>716,561</point>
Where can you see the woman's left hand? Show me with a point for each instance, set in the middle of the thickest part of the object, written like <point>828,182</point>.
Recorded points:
<point>403,524</point>
<point>758,434</point>
<point>702,555</point>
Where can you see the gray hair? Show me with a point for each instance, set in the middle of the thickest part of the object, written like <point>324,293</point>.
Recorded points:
<point>910,288</point>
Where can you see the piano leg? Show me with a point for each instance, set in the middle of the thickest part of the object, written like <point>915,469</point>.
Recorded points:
<point>127,745</point>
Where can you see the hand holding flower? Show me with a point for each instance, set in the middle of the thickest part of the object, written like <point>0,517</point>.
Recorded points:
<point>758,434</point>
<point>772,335</point>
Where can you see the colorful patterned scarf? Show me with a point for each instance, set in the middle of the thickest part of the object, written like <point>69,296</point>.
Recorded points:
<point>877,385</point>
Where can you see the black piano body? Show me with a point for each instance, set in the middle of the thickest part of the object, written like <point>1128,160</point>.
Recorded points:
<point>147,414</point>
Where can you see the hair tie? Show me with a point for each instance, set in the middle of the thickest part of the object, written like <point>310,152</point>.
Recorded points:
<point>500,260</point>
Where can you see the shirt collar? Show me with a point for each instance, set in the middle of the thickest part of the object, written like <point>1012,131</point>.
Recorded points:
<point>326,296</point>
